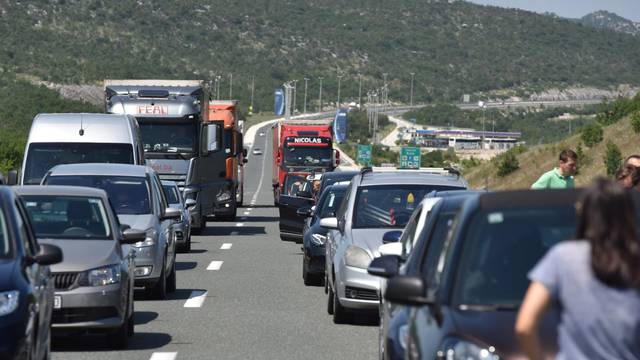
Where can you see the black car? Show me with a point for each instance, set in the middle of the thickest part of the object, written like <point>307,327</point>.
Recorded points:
<point>466,300</point>
<point>315,236</point>
<point>393,316</point>
<point>26,289</point>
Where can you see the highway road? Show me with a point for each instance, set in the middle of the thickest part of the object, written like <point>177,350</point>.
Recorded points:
<point>240,296</point>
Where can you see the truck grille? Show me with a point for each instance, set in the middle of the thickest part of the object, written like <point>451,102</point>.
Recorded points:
<point>64,281</point>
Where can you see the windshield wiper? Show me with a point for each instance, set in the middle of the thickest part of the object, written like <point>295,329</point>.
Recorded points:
<point>488,307</point>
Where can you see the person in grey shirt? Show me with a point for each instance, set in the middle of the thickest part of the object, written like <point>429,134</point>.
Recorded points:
<point>595,283</point>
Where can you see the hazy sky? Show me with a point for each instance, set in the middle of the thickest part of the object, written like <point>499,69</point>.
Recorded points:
<point>629,9</point>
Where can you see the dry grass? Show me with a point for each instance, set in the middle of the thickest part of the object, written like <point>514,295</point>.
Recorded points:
<point>541,158</point>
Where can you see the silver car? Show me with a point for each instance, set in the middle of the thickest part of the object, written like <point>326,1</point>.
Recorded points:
<point>94,282</point>
<point>136,194</point>
<point>182,227</point>
<point>374,204</point>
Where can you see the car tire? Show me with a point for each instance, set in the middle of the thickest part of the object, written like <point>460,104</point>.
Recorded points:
<point>240,201</point>
<point>171,279</point>
<point>132,324</point>
<point>330,301</point>
<point>340,314</point>
<point>119,339</point>
<point>158,291</point>
<point>187,246</point>
<point>309,279</point>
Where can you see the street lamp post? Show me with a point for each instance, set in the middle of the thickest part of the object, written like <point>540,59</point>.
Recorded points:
<point>305,96</point>
<point>339,84</point>
<point>295,92</point>
<point>360,91</point>
<point>253,85</point>
<point>230,86</point>
<point>320,96</point>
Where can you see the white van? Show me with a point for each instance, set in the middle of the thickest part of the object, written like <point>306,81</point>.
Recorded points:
<point>56,139</point>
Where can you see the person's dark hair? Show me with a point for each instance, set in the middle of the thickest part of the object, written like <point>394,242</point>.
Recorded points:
<point>629,171</point>
<point>634,156</point>
<point>606,218</point>
<point>568,154</point>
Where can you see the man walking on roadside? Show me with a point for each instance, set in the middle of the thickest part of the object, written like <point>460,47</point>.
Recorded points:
<point>562,176</point>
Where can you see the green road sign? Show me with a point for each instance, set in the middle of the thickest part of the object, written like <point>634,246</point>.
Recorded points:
<point>410,158</point>
<point>364,155</point>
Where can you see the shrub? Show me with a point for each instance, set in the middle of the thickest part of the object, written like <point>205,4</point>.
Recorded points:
<point>635,122</point>
<point>507,163</point>
<point>592,134</point>
<point>612,158</point>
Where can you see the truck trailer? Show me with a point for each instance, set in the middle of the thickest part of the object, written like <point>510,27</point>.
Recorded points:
<point>179,141</point>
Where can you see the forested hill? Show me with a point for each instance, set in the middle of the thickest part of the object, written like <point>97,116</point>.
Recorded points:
<point>453,48</point>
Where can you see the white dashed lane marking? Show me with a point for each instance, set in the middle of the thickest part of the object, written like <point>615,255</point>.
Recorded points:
<point>195,299</point>
<point>247,213</point>
<point>215,265</point>
<point>164,356</point>
<point>239,224</point>
<point>226,246</point>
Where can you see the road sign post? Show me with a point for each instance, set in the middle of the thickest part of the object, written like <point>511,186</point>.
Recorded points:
<point>364,155</point>
<point>410,158</point>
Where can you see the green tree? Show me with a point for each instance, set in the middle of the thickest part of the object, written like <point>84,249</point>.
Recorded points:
<point>612,158</point>
<point>635,122</point>
<point>592,134</point>
<point>507,163</point>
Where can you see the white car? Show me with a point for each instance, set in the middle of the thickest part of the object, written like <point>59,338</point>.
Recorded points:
<point>257,151</point>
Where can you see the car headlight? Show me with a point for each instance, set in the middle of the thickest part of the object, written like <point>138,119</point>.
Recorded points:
<point>458,349</point>
<point>104,276</point>
<point>318,239</point>
<point>149,240</point>
<point>8,301</point>
<point>357,257</point>
<point>223,195</point>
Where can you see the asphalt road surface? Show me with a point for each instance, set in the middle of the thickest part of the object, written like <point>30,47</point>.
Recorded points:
<point>240,296</point>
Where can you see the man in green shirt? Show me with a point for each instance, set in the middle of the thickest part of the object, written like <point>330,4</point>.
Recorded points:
<point>562,176</point>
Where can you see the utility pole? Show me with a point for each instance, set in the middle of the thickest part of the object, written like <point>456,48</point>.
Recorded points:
<point>339,79</point>
<point>320,100</point>
<point>305,95</point>
<point>295,92</point>
<point>230,86</point>
<point>384,93</point>
<point>411,93</point>
<point>218,78</point>
<point>253,85</point>
<point>360,92</point>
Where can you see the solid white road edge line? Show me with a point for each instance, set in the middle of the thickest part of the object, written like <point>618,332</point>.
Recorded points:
<point>226,246</point>
<point>195,299</point>
<point>215,265</point>
<point>264,165</point>
<point>163,356</point>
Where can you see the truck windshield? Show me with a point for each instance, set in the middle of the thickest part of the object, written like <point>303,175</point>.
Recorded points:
<point>307,156</point>
<point>43,156</point>
<point>129,195</point>
<point>68,217</point>
<point>168,138</point>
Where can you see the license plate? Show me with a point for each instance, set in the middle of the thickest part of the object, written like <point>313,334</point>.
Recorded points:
<point>57,302</point>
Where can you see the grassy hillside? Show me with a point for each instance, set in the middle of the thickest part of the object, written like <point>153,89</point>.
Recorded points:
<point>538,159</point>
<point>452,48</point>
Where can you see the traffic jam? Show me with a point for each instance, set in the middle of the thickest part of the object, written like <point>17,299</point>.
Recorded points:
<point>105,204</point>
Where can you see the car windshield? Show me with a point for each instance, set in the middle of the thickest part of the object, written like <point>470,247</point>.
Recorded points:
<point>67,217</point>
<point>307,156</point>
<point>501,247</point>
<point>43,156</point>
<point>294,184</point>
<point>129,195</point>
<point>171,192</point>
<point>168,138</point>
<point>4,238</point>
<point>389,206</point>
<point>331,202</point>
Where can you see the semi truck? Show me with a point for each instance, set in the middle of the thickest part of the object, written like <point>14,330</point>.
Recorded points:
<point>226,113</point>
<point>179,141</point>
<point>300,148</point>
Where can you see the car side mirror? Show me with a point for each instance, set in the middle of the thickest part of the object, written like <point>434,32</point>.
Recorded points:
<point>48,255</point>
<point>384,266</point>
<point>244,153</point>
<point>304,211</point>
<point>394,248</point>
<point>329,223</point>
<point>132,236</point>
<point>189,203</point>
<point>12,177</point>
<point>245,160</point>
<point>391,236</point>
<point>171,214</point>
<point>124,227</point>
<point>407,290</point>
<point>211,135</point>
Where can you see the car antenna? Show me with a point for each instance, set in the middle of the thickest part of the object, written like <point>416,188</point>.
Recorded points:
<point>81,132</point>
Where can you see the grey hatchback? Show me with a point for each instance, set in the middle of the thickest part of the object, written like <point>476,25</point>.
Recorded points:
<point>94,282</point>
<point>137,197</point>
